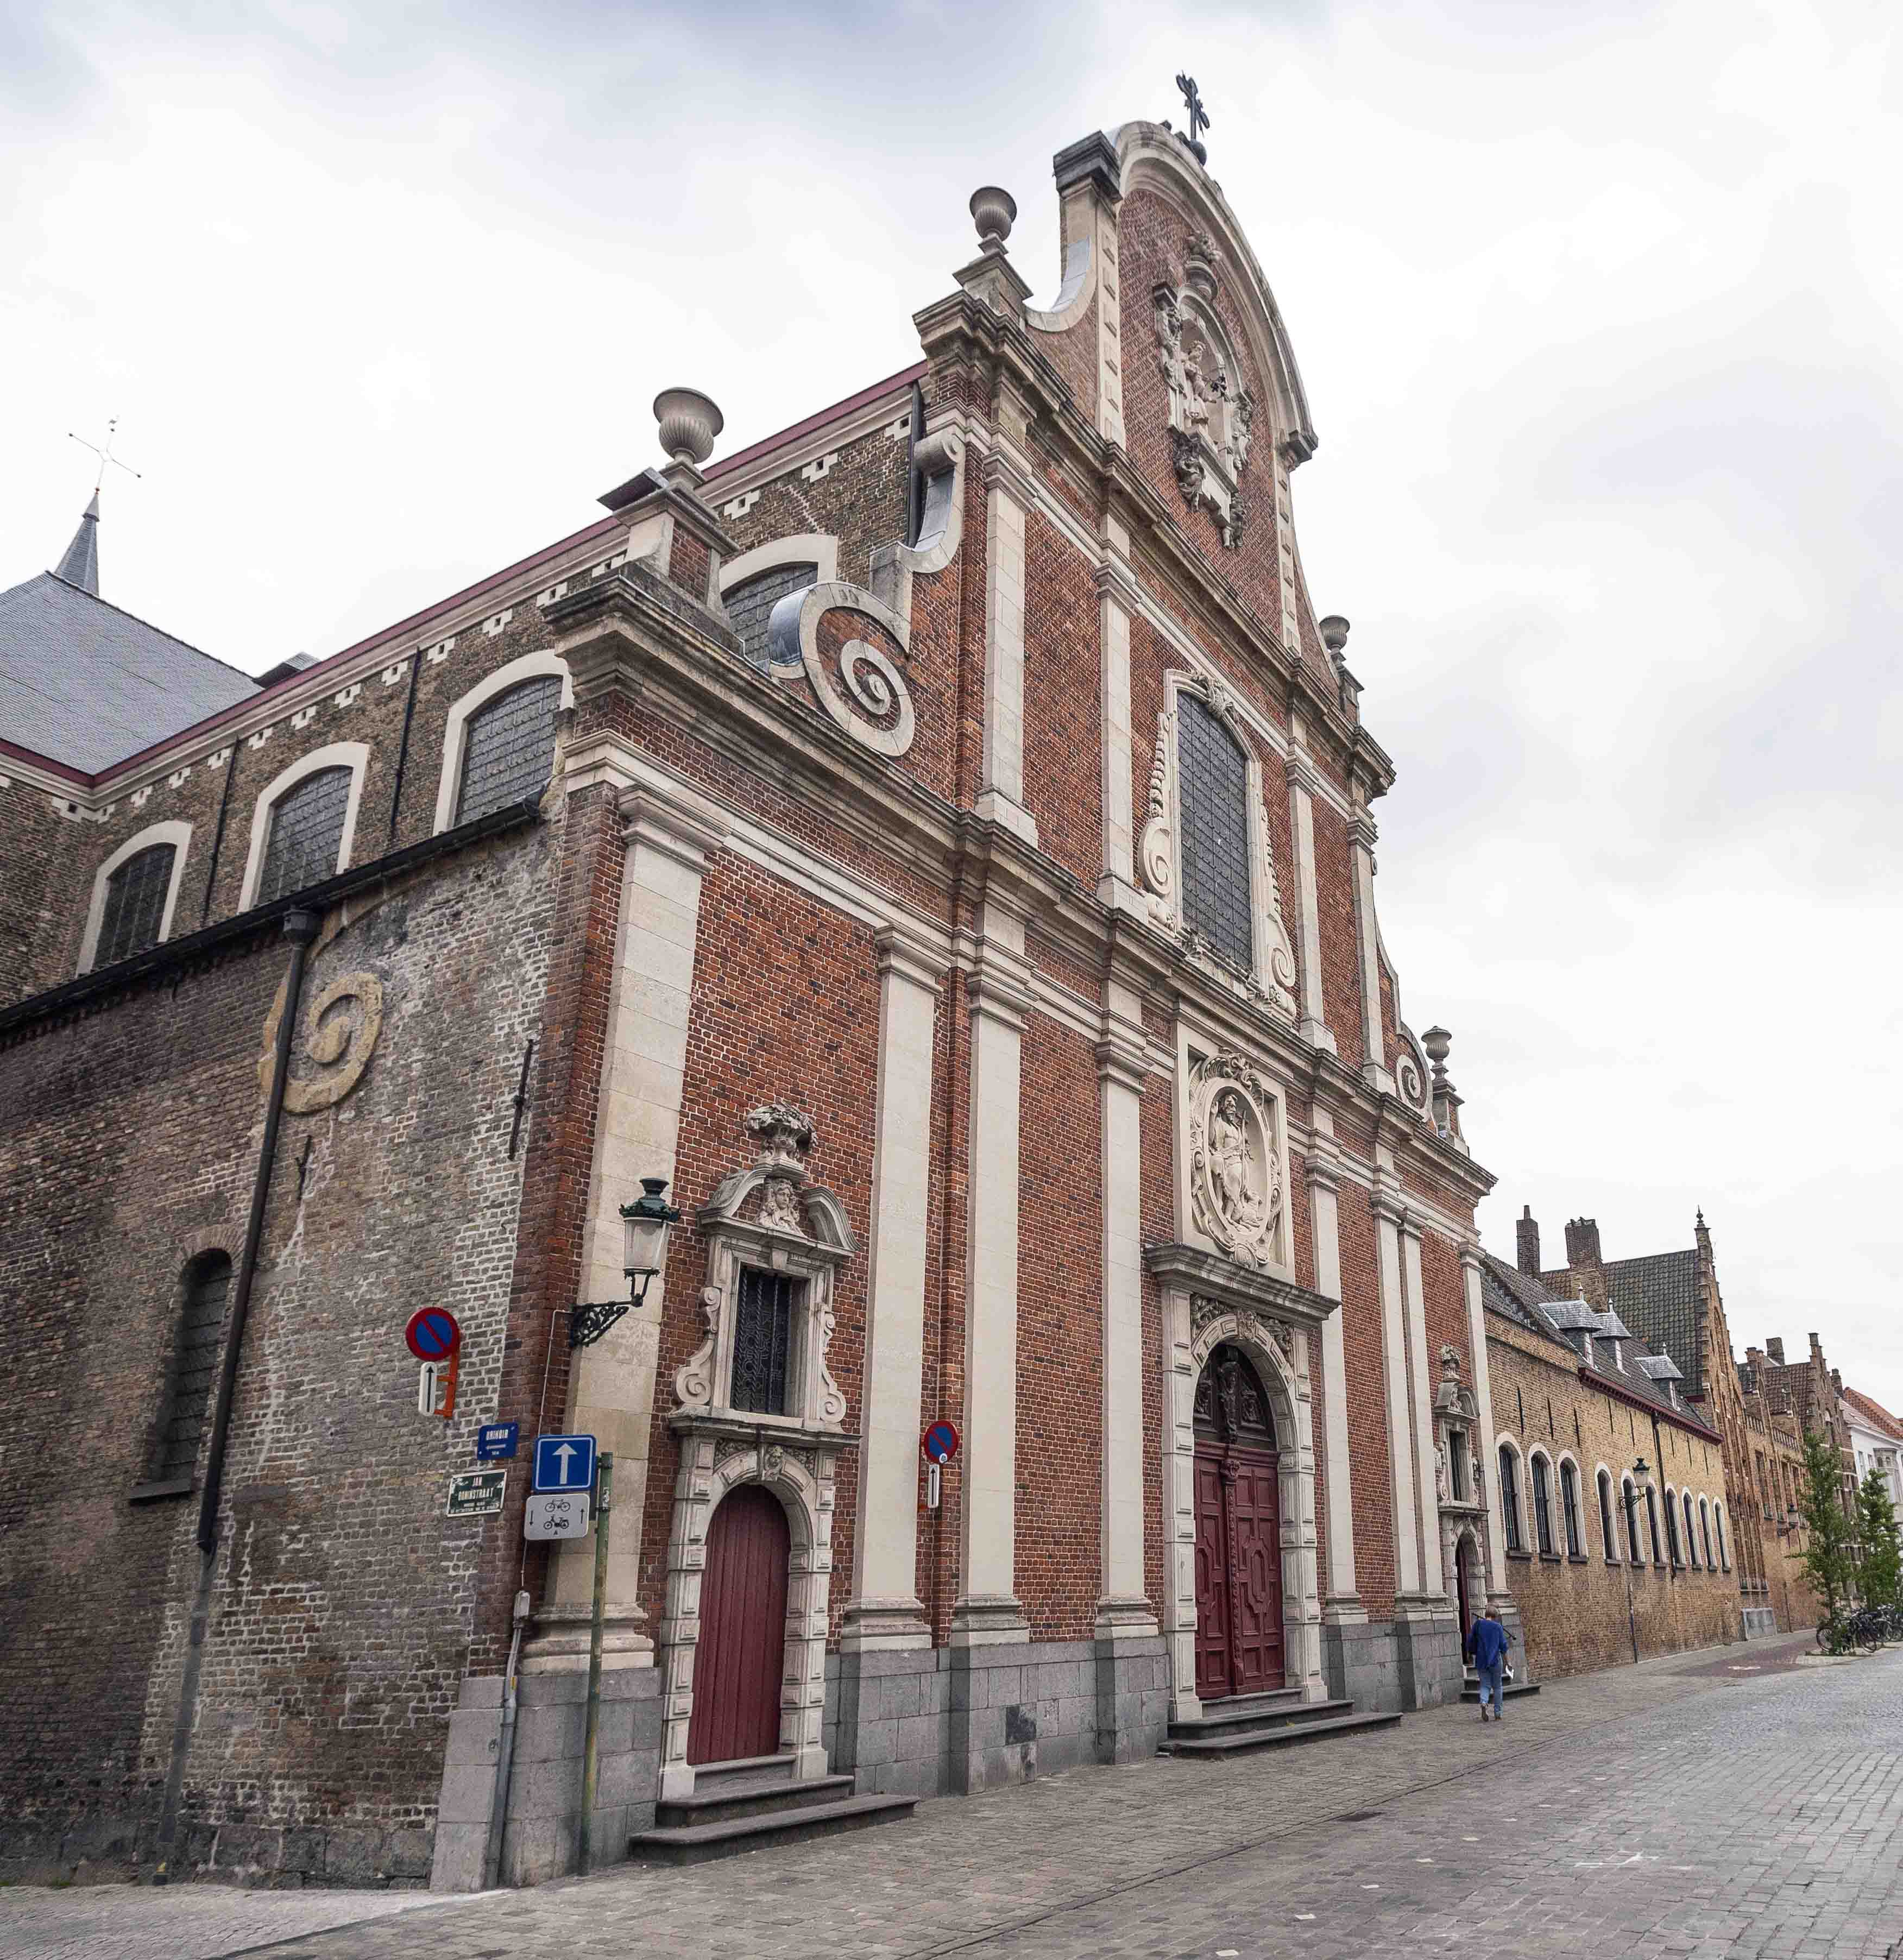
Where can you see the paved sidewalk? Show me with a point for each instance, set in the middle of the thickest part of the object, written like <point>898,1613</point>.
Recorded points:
<point>1726,1803</point>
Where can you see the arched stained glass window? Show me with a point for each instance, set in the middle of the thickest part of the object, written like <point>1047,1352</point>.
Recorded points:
<point>307,834</point>
<point>1213,789</point>
<point>509,747</point>
<point>135,907</point>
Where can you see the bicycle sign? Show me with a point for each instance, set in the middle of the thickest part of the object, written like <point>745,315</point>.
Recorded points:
<point>556,1514</point>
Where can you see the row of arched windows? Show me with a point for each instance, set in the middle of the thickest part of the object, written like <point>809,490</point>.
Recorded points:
<point>1534,1520</point>
<point>498,750</point>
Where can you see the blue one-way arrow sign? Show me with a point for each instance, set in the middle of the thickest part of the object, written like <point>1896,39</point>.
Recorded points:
<point>565,1463</point>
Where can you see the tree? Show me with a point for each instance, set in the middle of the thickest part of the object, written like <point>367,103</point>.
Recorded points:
<point>1879,1571</point>
<point>1829,1559</point>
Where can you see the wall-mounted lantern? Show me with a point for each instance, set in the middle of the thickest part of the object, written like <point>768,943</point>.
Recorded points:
<point>645,1226</point>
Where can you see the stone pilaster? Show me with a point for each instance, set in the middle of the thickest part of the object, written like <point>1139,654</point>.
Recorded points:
<point>1302,782</point>
<point>1432,1582</point>
<point>1374,1066</point>
<point>1123,1608</point>
<point>1486,1444</point>
<point>1008,499</point>
<point>884,1610</point>
<point>669,836</point>
<point>1116,606</point>
<point>1342,1603</point>
<point>1388,1217</point>
<point>999,997</point>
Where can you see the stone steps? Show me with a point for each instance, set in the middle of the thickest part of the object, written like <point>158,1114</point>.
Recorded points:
<point>1267,1722</point>
<point>744,1806</point>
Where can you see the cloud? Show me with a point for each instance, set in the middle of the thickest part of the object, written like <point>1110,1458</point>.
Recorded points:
<point>1598,309</point>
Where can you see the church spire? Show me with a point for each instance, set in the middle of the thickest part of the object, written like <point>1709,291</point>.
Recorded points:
<point>80,567</point>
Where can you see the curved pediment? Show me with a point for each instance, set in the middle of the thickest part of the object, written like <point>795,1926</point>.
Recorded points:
<point>1153,158</point>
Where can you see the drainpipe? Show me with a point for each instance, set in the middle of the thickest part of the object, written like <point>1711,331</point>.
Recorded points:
<point>504,1754</point>
<point>301,928</point>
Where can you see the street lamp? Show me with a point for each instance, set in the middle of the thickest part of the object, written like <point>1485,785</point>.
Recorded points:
<point>645,1226</point>
<point>1641,1476</point>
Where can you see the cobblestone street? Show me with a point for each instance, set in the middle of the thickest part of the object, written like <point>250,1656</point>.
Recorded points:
<point>1730,1802</point>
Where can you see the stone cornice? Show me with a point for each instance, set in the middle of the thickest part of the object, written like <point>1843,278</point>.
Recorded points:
<point>1194,1270</point>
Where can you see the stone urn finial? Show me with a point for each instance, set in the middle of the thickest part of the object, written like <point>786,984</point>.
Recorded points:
<point>784,1135</point>
<point>1334,634</point>
<point>994,211</point>
<point>689,422</point>
<point>1436,1042</point>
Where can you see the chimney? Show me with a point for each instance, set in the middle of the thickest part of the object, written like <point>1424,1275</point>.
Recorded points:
<point>1582,1242</point>
<point>1836,1379</point>
<point>1526,1242</point>
<point>1816,1349</point>
<point>1774,1347</point>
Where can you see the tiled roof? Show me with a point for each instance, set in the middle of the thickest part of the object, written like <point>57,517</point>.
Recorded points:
<point>1660,1298</point>
<point>1874,1413</point>
<point>85,684</point>
<point>1529,1302</point>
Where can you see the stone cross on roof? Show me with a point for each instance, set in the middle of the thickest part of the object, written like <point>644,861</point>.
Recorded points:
<point>1198,116</point>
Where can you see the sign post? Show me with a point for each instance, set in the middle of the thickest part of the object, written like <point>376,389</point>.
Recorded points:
<point>938,1445</point>
<point>591,1746</point>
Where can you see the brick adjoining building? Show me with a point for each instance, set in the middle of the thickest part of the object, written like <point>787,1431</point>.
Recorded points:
<point>936,840</point>
<point>1619,1537</point>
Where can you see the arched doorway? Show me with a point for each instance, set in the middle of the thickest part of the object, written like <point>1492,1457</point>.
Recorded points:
<point>739,1659</point>
<point>1238,1548</point>
<point>1465,1585</point>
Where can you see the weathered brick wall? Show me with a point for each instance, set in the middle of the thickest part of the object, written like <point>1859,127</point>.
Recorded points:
<point>39,852</point>
<point>860,500</point>
<point>343,1609</point>
<point>1575,1610</point>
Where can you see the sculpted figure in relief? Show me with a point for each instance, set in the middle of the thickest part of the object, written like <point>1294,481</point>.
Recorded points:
<point>1238,1183</point>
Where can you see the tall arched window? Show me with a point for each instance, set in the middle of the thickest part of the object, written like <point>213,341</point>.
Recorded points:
<point>1724,1550</point>
<point>1608,1543</point>
<point>1704,1533</point>
<point>1690,1537</point>
<point>1543,1505</point>
<point>1672,1527</point>
<point>1213,786</point>
<point>1510,1498</point>
<point>1630,1499</point>
<point>750,604</point>
<point>1652,1523</point>
<point>134,911</point>
<point>508,748</point>
<point>1569,1507</point>
<point>194,1362</point>
<point>307,835</point>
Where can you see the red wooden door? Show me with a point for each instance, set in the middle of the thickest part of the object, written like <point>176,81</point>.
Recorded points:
<point>1238,1532</point>
<point>1213,1664</point>
<point>1255,1572</point>
<point>738,1663</point>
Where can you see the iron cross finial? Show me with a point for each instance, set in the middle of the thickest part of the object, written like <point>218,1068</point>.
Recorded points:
<point>105,455</point>
<point>1198,116</point>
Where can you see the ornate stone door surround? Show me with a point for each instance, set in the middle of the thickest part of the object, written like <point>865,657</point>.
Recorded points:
<point>1460,1489</point>
<point>768,1216</point>
<point>1207,1299</point>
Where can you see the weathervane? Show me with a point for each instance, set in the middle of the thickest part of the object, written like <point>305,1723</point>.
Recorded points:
<point>105,455</point>
<point>1198,116</point>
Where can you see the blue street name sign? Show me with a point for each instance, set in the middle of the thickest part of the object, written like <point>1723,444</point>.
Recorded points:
<point>565,1463</point>
<point>495,1440</point>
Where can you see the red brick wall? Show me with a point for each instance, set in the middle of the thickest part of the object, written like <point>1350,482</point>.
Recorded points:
<point>1063,725</point>
<point>785,1004</point>
<point>1060,1334</point>
<point>1374,1566</point>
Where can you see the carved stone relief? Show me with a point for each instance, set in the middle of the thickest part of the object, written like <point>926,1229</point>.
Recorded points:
<point>1212,417</point>
<point>1236,1178</point>
<point>340,1026</point>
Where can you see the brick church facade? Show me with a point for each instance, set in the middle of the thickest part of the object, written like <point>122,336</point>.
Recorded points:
<point>936,840</point>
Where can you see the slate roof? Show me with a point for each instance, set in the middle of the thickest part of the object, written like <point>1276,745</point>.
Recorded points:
<point>1660,1298</point>
<point>1874,1413</point>
<point>88,685</point>
<point>1516,1296</point>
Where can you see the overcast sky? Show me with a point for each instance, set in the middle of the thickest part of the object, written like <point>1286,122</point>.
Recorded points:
<point>1600,309</point>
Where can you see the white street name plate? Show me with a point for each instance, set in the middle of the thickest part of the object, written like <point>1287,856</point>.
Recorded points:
<point>557,1514</point>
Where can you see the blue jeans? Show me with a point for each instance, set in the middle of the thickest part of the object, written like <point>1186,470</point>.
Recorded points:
<point>1490,1684</point>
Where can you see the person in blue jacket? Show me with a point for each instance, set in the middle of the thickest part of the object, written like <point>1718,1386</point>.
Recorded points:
<point>1488,1643</point>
